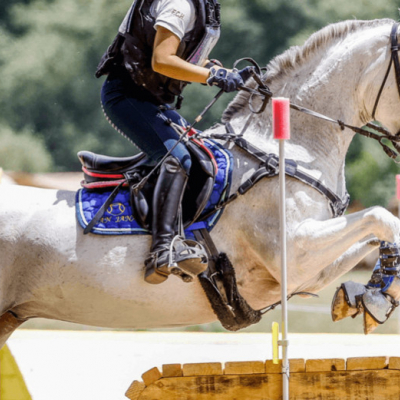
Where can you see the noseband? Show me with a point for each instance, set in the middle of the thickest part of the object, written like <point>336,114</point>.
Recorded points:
<point>394,48</point>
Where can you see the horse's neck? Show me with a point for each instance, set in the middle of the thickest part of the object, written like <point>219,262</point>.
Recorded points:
<point>339,82</point>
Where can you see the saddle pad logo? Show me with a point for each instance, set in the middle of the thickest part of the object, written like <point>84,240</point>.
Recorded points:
<point>116,213</point>
<point>116,209</point>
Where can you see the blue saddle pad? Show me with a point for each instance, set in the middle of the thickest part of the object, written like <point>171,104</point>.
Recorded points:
<point>118,219</point>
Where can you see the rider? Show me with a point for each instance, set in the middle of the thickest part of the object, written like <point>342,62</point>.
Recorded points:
<point>160,47</point>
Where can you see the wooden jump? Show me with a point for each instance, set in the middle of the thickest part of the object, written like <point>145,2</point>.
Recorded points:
<point>372,378</point>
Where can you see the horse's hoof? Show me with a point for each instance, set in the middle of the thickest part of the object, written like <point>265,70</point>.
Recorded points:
<point>369,323</point>
<point>340,307</point>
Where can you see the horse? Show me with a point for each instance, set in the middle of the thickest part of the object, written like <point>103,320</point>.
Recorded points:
<point>49,269</point>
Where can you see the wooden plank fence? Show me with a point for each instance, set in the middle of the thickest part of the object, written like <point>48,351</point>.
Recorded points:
<point>372,378</point>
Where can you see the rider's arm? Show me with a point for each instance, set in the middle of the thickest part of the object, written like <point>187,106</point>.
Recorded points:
<point>166,62</point>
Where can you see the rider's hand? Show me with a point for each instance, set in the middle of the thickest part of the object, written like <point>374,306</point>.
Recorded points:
<point>225,79</point>
<point>212,63</point>
<point>246,73</point>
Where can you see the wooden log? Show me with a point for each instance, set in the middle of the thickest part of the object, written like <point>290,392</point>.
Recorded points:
<point>244,367</point>
<point>331,364</point>
<point>151,376</point>
<point>365,363</point>
<point>381,384</point>
<point>171,370</point>
<point>135,390</point>
<point>201,369</point>
<point>297,365</point>
<point>394,363</point>
<point>271,368</point>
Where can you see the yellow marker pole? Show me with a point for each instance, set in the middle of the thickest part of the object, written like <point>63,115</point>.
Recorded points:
<point>12,384</point>
<point>275,339</point>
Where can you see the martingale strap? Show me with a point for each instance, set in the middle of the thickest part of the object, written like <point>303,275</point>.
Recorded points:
<point>269,168</point>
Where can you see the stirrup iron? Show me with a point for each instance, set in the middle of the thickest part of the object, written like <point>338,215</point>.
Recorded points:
<point>187,258</point>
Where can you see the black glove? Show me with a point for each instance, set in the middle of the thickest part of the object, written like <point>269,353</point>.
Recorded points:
<point>226,80</point>
<point>213,63</point>
<point>246,73</point>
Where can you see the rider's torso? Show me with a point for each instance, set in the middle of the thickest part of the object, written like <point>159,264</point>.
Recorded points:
<point>133,46</point>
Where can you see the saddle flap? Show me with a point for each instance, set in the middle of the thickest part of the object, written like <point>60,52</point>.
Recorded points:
<point>140,208</point>
<point>204,156</point>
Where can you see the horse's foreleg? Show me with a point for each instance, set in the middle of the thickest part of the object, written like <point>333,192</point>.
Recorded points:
<point>339,267</point>
<point>8,324</point>
<point>319,244</point>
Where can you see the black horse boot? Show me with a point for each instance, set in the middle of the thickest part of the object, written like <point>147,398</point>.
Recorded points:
<point>170,253</point>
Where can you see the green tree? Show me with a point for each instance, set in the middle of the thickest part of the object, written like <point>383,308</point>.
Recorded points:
<point>24,151</point>
<point>50,48</point>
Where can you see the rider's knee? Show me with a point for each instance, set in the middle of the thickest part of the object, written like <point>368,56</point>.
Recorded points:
<point>186,163</point>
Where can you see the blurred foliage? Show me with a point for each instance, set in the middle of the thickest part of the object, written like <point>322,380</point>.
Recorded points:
<point>23,151</point>
<point>50,49</point>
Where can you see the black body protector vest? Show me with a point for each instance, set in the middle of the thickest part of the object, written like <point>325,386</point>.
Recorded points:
<point>133,47</point>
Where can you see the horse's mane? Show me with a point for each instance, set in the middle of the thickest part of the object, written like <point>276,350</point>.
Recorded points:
<point>295,56</point>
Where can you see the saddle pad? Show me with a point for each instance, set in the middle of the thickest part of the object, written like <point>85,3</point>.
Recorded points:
<point>118,219</point>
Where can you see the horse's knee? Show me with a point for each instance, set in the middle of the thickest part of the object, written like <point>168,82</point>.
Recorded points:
<point>385,225</point>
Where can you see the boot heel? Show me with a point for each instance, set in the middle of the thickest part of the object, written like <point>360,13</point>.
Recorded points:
<point>153,276</point>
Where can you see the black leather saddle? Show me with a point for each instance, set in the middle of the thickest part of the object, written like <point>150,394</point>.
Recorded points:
<point>104,172</point>
<point>109,165</point>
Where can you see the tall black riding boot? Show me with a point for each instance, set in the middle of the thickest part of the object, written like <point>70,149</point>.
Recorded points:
<point>170,253</point>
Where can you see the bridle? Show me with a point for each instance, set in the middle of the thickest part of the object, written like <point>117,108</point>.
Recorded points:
<point>394,49</point>
<point>372,130</point>
<point>270,162</point>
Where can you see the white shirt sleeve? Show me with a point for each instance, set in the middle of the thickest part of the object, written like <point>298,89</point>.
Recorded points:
<point>178,16</point>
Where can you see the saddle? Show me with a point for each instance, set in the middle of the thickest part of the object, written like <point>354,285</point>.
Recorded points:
<point>104,172</point>
<point>207,189</point>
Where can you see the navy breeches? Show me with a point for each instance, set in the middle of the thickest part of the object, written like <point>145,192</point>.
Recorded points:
<point>142,121</point>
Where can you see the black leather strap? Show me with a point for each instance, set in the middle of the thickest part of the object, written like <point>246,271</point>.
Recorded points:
<point>270,168</point>
<point>103,209</point>
<point>393,59</point>
<point>395,56</point>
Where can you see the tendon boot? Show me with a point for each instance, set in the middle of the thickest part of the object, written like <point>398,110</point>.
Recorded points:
<point>376,300</point>
<point>169,252</point>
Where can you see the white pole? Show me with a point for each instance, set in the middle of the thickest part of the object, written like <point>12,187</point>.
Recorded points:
<point>398,214</point>
<point>282,212</point>
<point>281,123</point>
